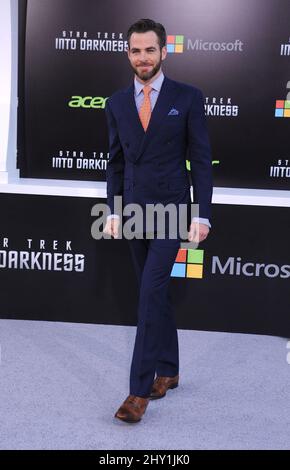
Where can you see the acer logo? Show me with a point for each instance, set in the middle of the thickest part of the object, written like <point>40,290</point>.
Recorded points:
<point>95,102</point>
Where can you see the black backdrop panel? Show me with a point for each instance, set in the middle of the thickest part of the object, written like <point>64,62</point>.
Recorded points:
<point>79,285</point>
<point>244,286</point>
<point>237,52</point>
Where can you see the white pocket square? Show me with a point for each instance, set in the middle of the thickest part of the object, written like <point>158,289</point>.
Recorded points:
<point>173,112</point>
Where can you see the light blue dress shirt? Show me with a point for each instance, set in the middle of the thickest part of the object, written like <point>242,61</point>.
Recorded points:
<point>156,87</point>
<point>139,96</point>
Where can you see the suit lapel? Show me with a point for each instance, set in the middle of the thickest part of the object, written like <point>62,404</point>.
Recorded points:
<point>132,113</point>
<point>162,106</point>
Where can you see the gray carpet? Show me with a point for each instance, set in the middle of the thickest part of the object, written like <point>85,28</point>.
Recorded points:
<point>61,384</point>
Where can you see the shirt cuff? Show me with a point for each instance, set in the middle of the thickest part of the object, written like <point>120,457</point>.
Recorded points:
<point>201,220</point>
<point>113,216</point>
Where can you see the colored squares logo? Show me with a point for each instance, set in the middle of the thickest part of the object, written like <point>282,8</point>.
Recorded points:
<point>175,44</point>
<point>188,263</point>
<point>282,108</point>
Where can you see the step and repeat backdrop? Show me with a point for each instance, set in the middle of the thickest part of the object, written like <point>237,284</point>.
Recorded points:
<point>73,57</point>
<point>51,268</point>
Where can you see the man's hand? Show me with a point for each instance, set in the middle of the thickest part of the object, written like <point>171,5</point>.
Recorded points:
<point>197,232</point>
<point>112,227</point>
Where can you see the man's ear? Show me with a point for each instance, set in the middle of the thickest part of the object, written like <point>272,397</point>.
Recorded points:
<point>163,53</point>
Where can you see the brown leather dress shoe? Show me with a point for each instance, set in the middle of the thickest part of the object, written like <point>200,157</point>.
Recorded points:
<point>161,385</point>
<point>132,409</point>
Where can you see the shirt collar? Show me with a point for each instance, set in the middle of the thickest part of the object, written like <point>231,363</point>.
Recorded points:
<point>156,84</point>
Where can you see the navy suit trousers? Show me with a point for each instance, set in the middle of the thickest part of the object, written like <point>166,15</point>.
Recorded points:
<point>156,341</point>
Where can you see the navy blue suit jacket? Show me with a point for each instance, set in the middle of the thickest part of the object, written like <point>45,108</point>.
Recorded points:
<point>150,167</point>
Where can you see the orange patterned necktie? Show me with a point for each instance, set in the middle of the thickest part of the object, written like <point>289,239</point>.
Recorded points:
<point>145,110</point>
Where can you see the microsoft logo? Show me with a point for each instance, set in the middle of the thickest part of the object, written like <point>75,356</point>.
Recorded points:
<point>175,43</point>
<point>282,108</point>
<point>188,263</point>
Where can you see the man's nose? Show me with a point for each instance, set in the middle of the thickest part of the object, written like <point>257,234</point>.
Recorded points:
<point>143,56</point>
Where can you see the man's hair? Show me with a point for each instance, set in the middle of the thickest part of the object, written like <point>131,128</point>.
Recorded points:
<point>144,25</point>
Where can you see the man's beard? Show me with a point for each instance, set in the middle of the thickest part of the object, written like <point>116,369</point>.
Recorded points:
<point>147,75</point>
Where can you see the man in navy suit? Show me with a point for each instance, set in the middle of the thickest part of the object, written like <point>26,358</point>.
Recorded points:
<point>154,126</point>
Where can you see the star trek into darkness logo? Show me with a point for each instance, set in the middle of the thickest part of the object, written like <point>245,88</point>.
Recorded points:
<point>79,160</point>
<point>41,255</point>
<point>285,49</point>
<point>281,169</point>
<point>221,107</point>
<point>97,42</point>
